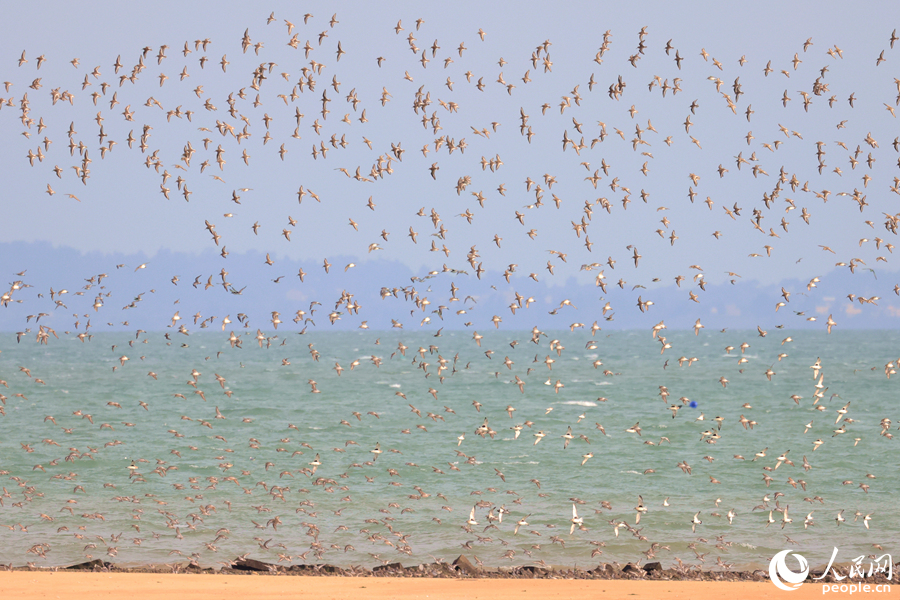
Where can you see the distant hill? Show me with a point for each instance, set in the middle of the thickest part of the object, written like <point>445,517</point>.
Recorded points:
<point>147,298</point>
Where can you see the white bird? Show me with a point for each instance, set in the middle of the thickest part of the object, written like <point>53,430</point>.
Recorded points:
<point>521,523</point>
<point>784,517</point>
<point>575,520</point>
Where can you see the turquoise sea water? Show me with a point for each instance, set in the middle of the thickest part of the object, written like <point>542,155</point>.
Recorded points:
<point>410,504</point>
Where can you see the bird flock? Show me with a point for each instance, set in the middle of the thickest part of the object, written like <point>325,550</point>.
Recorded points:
<point>580,150</point>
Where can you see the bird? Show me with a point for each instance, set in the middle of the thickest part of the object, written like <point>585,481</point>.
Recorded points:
<point>639,510</point>
<point>695,521</point>
<point>575,521</point>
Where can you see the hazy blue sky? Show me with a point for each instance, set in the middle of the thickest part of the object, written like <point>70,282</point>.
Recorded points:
<point>121,210</point>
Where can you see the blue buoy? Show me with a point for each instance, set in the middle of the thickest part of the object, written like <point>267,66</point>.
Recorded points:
<point>693,404</point>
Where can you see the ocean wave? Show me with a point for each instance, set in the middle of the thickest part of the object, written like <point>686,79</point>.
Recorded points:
<point>579,403</point>
<point>602,382</point>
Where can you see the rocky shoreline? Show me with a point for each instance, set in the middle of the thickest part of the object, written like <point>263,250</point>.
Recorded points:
<point>462,567</point>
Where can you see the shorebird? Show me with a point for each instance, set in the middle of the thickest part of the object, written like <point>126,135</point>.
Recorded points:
<point>568,437</point>
<point>576,521</point>
<point>695,521</point>
<point>521,523</point>
<point>639,510</point>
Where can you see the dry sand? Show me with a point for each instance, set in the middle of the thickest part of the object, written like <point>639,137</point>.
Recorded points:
<point>100,586</point>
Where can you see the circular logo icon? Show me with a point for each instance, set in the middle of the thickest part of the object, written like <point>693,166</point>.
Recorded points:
<point>782,576</point>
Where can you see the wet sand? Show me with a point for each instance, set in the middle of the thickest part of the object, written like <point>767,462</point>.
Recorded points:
<point>28,585</point>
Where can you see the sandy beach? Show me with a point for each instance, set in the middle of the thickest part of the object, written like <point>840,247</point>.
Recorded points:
<point>27,585</point>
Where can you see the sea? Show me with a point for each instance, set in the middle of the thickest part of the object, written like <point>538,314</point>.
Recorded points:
<point>274,460</point>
